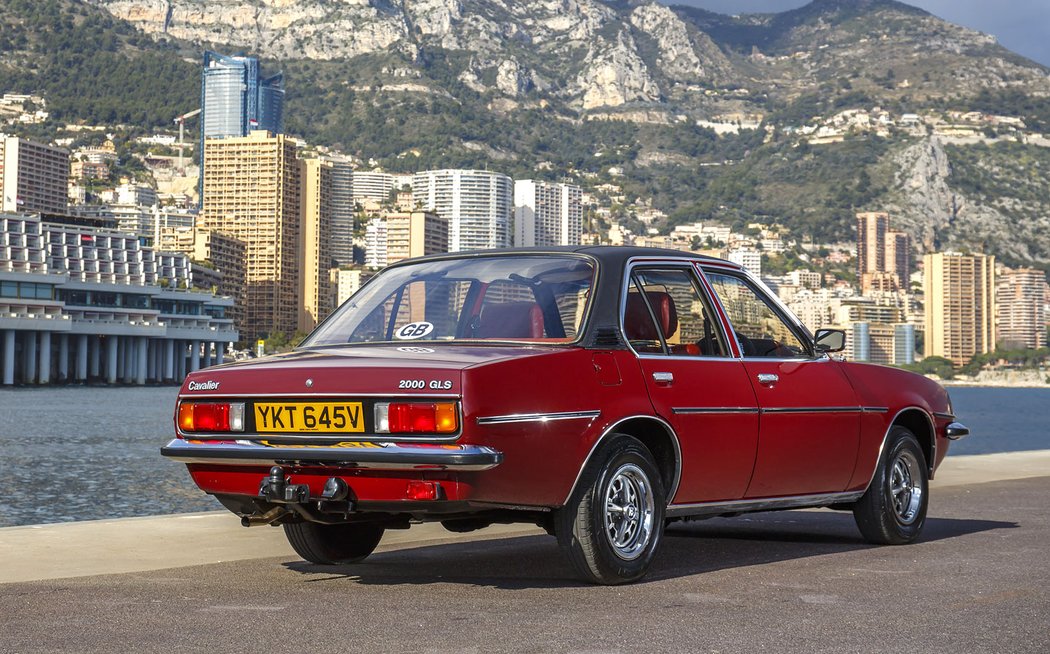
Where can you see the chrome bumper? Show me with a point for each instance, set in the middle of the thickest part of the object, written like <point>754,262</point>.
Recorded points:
<point>956,430</point>
<point>379,456</point>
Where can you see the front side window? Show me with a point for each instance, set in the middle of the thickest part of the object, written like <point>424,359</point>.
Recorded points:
<point>519,298</point>
<point>759,328</point>
<point>665,313</point>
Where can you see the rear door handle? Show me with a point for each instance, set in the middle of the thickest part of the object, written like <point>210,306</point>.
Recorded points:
<point>663,378</point>
<point>768,378</point>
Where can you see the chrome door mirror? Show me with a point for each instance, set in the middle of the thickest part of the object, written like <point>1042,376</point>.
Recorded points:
<point>829,340</point>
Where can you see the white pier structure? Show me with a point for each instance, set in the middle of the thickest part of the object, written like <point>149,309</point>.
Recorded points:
<point>80,304</point>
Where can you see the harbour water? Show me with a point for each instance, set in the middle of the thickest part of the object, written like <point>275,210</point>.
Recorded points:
<point>87,453</point>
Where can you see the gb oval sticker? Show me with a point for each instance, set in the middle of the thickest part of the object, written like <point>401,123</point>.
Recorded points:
<point>414,330</point>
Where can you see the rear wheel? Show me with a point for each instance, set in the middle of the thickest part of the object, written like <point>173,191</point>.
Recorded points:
<point>333,544</point>
<point>613,523</point>
<point>893,510</point>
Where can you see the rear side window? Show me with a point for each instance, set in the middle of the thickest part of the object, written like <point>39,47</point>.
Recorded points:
<point>665,313</point>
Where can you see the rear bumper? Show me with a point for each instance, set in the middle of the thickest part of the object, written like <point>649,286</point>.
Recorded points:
<point>378,456</point>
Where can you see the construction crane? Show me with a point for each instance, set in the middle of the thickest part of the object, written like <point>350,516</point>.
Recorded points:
<point>181,122</point>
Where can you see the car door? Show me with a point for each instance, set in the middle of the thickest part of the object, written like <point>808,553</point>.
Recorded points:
<point>809,429</point>
<point>693,381</point>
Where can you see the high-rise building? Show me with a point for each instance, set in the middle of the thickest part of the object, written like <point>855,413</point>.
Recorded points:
<point>236,98</point>
<point>342,211</point>
<point>372,185</point>
<point>375,243</point>
<point>546,213</point>
<point>477,204</point>
<point>882,343</point>
<point>960,305</point>
<point>1022,311</point>
<point>251,191</point>
<point>414,234</point>
<point>315,258</point>
<point>883,255</point>
<point>34,178</point>
<point>750,259</point>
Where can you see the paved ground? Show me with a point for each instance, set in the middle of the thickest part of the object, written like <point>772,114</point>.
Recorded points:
<point>979,581</point>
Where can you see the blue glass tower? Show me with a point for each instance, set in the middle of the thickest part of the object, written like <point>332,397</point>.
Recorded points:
<point>236,99</point>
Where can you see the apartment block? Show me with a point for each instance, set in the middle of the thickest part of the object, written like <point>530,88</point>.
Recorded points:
<point>251,192</point>
<point>546,213</point>
<point>33,177</point>
<point>342,211</point>
<point>346,282</point>
<point>883,255</point>
<point>414,234</point>
<point>960,305</point>
<point>315,258</point>
<point>1022,310</point>
<point>223,253</point>
<point>477,204</point>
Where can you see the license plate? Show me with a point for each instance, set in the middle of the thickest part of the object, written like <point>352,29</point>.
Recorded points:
<point>315,417</point>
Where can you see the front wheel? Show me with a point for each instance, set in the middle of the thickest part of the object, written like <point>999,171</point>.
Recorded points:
<point>613,523</point>
<point>333,544</point>
<point>893,509</point>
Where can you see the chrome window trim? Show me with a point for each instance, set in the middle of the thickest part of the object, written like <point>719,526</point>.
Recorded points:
<point>762,504</point>
<point>676,479</point>
<point>537,417</point>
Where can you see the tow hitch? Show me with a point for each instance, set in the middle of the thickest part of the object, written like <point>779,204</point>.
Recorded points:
<point>295,499</point>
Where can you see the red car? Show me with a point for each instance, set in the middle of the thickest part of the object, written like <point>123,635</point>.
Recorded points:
<point>598,392</point>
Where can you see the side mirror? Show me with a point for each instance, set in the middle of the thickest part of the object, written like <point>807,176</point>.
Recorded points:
<point>830,340</point>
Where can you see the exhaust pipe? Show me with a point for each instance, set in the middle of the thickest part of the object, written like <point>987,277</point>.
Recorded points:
<point>267,518</point>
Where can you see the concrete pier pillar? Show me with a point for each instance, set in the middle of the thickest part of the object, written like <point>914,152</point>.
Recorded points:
<point>82,357</point>
<point>63,358</point>
<point>207,354</point>
<point>220,353</point>
<point>130,352</point>
<point>29,356</point>
<point>169,359</point>
<point>95,356</point>
<point>112,345</point>
<point>180,361</point>
<point>141,359</point>
<point>151,359</point>
<point>9,357</point>
<point>195,356</point>
<point>44,375</point>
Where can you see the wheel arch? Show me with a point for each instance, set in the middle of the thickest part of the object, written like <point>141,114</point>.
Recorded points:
<point>657,435</point>
<point>919,422</point>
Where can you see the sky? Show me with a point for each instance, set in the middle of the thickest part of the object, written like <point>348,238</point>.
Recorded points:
<point>1020,25</point>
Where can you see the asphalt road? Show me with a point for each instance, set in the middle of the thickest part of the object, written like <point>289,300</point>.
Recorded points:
<point>801,581</point>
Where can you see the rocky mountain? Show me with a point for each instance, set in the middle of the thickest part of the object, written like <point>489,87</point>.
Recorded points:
<point>711,116</point>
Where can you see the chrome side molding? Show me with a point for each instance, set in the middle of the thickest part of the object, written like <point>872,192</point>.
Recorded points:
<point>762,504</point>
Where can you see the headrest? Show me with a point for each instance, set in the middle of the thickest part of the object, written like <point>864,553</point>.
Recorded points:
<point>637,324</point>
<point>511,320</point>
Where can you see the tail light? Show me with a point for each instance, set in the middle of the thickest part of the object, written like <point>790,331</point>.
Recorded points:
<point>416,418</point>
<point>211,417</point>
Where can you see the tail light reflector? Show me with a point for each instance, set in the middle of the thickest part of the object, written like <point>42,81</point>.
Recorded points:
<point>211,416</point>
<point>416,417</point>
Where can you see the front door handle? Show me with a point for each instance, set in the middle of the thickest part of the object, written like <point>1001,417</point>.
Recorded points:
<point>768,378</point>
<point>663,378</point>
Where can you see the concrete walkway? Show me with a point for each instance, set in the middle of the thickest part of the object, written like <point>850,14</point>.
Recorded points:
<point>81,549</point>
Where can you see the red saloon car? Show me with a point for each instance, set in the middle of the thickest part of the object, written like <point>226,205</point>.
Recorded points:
<point>599,392</point>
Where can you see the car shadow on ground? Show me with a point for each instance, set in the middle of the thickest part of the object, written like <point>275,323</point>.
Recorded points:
<point>688,548</point>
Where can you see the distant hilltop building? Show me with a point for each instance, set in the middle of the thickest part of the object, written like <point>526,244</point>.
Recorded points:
<point>477,204</point>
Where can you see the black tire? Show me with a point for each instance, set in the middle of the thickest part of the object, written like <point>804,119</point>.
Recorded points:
<point>332,544</point>
<point>614,545</point>
<point>893,509</point>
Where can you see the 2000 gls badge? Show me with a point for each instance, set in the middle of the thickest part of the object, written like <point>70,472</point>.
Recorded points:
<point>598,392</point>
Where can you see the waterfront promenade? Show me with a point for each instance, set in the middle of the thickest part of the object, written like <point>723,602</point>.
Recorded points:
<point>978,581</point>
